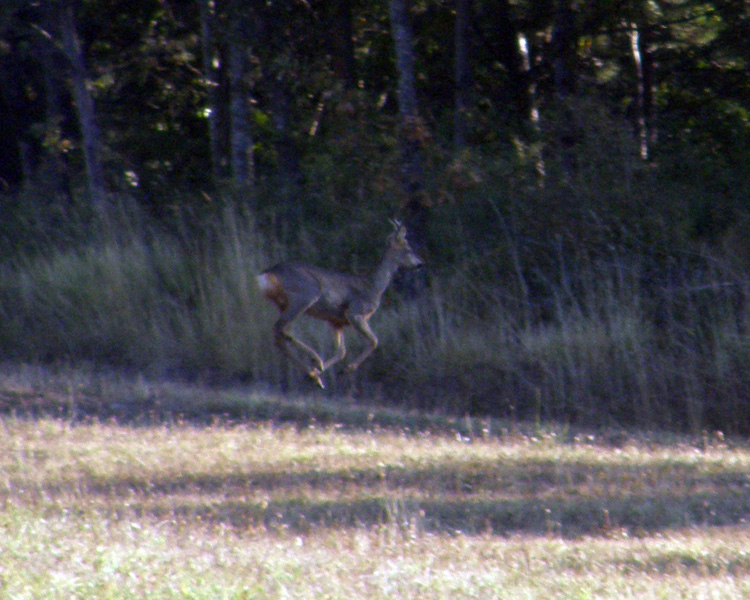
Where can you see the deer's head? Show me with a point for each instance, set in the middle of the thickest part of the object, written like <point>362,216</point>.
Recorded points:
<point>399,248</point>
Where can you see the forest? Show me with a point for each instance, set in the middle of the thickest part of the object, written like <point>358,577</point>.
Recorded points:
<point>574,175</point>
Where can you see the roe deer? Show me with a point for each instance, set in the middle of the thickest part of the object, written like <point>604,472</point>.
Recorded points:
<point>337,298</point>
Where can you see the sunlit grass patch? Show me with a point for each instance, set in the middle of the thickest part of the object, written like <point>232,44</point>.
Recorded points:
<point>269,510</point>
<point>73,557</point>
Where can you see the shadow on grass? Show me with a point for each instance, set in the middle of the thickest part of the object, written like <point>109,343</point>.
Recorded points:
<point>524,495</point>
<point>556,516</point>
<point>200,406</point>
<point>562,498</point>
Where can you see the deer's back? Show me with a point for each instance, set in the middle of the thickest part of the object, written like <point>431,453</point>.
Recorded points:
<point>332,294</point>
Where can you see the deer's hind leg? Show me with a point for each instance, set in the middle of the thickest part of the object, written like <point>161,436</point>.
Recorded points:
<point>283,337</point>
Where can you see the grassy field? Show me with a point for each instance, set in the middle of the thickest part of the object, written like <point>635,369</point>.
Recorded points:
<point>302,498</point>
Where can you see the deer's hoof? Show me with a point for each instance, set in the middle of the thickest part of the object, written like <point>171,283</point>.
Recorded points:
<point>314,374</point>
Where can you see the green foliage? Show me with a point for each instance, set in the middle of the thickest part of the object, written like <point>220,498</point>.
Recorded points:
<point>153,99</point>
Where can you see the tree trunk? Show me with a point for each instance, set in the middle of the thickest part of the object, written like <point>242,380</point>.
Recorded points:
<point>341,42</point>
<point>413,130</point>
<point>533,107</point>
<point>644,95</point>
<point>564,72</point>
<point>289,175</point>
<point>271,30</point>
<point>90,137</point>
<point>52,163</point>
<point>243,169</point>
<point>510,55</point>
<point>462,73</point>
<point>563,49</point>
<point>210,79</point>
<point>640,117</point>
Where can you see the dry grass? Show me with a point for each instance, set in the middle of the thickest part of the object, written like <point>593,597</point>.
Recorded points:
<point>95,509</point>
<point>605,340</point>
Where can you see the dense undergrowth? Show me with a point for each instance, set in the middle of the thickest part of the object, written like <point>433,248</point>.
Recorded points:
<point>612,292</point>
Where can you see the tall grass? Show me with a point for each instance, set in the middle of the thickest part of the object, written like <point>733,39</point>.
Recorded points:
<point>601,342</point>
<point>610,349</point>
<point>143,298</point>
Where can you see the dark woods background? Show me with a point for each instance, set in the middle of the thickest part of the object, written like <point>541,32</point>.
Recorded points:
<point>575,174</point>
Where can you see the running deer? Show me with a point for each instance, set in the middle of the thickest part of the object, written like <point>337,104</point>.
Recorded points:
<point>337,298</point>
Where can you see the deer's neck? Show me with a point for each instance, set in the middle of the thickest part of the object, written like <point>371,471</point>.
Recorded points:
<point>382,275</point>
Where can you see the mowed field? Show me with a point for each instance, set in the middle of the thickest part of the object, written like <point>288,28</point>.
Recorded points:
<point>373,504</point>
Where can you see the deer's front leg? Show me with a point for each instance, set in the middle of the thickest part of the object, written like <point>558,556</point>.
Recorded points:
<point>362,327</point>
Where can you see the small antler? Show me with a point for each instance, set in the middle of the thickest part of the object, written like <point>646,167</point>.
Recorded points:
<point>400,229</point>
